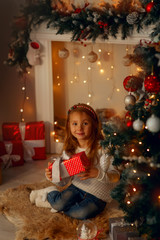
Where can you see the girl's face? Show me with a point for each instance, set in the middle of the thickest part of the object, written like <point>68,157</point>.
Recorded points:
<point>80,125</point>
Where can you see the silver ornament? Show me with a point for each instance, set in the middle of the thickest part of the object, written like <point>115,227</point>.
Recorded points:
<point>132,18</point>
<point>153,124</point>
<point>138,125</point>
<point>129,100</point>
<point>63,53</point>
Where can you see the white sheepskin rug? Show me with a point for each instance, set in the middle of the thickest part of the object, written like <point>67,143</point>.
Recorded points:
<point>37,223</point>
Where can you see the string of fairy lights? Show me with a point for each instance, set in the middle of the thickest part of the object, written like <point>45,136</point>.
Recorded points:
<point>99,66</point>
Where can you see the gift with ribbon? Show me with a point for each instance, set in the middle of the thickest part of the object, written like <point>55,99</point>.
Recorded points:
<point>65,168</point>
<point>121,230</point>
<point>11,153</point>
<point>76,164</point>
<point>32,135</point>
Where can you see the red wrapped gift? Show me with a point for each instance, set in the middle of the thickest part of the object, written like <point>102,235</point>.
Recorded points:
<point>11,153</point>
<point>77,163</point>
<point>32,134</point>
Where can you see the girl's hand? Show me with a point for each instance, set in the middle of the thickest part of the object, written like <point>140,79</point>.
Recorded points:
<point>89,173</point>
<point>48,172</point>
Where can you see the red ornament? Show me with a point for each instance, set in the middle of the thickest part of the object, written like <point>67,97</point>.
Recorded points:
<point>152,84</point>
<point>132,83</point>
<point>149,6</point>
<point>129,123</point>
<point>35,45</point>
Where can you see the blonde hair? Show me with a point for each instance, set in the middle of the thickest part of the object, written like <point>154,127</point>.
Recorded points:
<point>71,143</point>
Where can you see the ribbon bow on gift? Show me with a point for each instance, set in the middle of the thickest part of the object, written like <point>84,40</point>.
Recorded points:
<point>8,158</point>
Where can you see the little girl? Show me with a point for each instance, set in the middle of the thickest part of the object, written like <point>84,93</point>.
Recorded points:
<point>90,190</point>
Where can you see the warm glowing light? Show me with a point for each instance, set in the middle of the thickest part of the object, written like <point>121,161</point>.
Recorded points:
<point>112,67</point>
<point>83,57</point>
<point>126,49</point>
<point>138,178</point>
<point>55,123</point>
<point>22,119</point>
<point>115,134</point>
<point>75,77</point>
<point>57,76</point>
<point>23,88</point>
<point>118,90</point>
<point>140,143</point>
<point>107,78</point>
<point>139,69</point>
<point>89,68</point>
<point>134,171</point>
<point>21,110</point>
<point>57,140</point>
<point>159,197</point>
<point>59,84</point>
<point>84,81</point>
<point>27,98</point>
<point>99,50</point>
<point>71,81</point>
<point>108,99</point>
<point>88,103</point>
<point>128,202</point>
<point>109,53</point>
<point>134,189</point>
<point>148,174</point>
<point>101,70</point>
<point>148,150</point>
<point>132,150</point>
<point>98,62</point>
<point>89,95</point>
<point>28,72</point>
<point>53,133</point>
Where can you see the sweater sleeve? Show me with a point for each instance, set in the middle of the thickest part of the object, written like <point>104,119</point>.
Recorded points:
<point>106,169</point>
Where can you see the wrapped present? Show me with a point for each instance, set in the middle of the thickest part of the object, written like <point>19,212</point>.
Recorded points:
<point>120,230</point>
<point>76,164</point>
<point>11,153</point>
<point>65,168</point>
<point>32,134</point>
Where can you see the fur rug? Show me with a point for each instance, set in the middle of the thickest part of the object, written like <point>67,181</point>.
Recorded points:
<point>37,223</point>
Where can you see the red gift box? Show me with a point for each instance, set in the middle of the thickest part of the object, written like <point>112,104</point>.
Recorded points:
<point>11,153</point>
<point>32,134</point>
<point>77,163</point>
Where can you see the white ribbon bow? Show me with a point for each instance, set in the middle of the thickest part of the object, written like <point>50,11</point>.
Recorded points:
<point>8,158</point>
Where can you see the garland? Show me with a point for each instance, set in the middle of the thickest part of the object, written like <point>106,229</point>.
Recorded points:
<point>88,23</point>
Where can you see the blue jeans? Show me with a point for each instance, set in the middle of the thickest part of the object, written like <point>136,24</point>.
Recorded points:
<point>76,203</point>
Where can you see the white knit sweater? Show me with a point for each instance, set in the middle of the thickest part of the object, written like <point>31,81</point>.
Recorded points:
<point>101,186</point>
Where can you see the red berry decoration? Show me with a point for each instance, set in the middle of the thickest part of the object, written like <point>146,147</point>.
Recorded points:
<point>152,84</point>
<point>149,6</point>
<point>132,83</point>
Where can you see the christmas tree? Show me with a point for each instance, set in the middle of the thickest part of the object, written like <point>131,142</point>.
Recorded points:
<point>135,143</point>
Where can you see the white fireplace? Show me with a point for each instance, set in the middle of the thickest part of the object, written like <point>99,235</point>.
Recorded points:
<point>44,75</point>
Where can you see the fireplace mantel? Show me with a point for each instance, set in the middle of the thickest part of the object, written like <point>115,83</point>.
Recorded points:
<point>44,77</point>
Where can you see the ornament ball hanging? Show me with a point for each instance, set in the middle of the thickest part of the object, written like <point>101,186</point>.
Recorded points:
<point>152,84</point>
<point>149,6</point>
<point>138,125</point>
<point>153,124</point>
<point>132,83</point>
<point>129,100</point>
